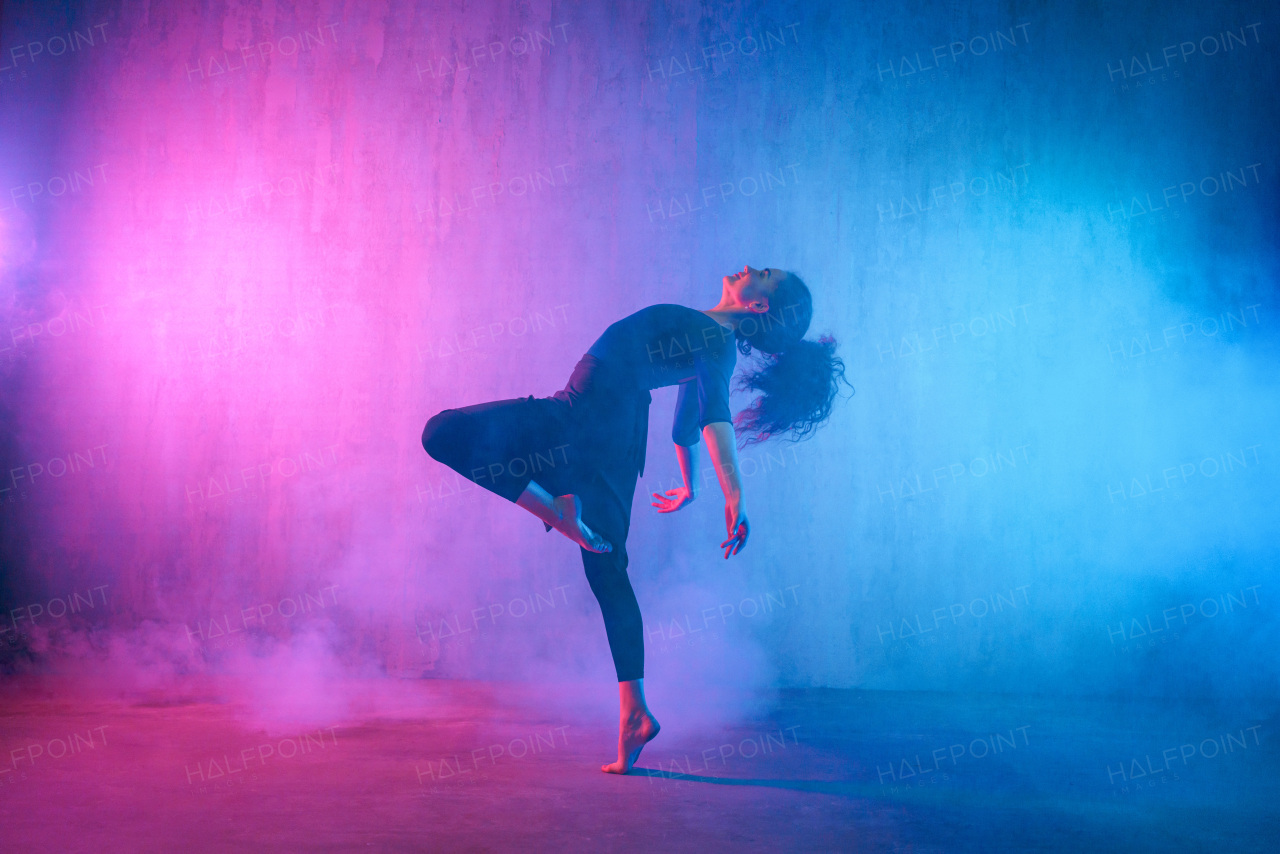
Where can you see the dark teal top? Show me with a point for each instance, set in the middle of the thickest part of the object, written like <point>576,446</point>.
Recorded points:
<point>666,345</point>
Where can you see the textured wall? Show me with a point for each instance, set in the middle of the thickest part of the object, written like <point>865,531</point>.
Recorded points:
<point>249,249</point>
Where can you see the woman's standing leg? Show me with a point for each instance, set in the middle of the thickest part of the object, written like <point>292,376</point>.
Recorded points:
<point>605,512</point>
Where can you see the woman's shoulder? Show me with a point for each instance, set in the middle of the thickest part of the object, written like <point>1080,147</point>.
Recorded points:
<point>672,309</point>
<point>694,330</point>
<point>712,339</point>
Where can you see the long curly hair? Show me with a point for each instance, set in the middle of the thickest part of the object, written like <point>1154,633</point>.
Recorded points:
<point>797,378</point>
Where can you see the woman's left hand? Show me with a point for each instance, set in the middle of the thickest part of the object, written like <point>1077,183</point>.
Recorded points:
<point>738,528</point>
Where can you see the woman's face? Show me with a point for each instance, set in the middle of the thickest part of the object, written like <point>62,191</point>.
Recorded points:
<point>752,288</point>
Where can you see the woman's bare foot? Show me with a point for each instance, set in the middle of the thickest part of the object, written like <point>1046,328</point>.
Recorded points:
<point>568,521</point>
<point>634,733</point>
<point>564,513</point>
<point>636,726</point>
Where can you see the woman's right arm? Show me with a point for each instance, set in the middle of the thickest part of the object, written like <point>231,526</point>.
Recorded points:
<point>684,432</point>
<point>687,457</point>
<point>723,447</point>
<point>674,499</point>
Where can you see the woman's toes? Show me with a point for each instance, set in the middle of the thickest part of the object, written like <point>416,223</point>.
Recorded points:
<point>592,541</point>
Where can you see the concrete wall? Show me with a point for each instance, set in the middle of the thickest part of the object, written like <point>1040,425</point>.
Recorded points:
<point>249,249</point>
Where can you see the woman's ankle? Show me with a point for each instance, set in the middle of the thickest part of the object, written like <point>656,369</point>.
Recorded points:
<point>631,695</point>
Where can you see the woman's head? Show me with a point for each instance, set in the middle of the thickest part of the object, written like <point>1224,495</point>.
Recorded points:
<point>775,308</point>
<point>797,378</point>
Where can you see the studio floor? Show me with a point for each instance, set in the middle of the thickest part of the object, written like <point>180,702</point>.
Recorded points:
<point>471,766</point>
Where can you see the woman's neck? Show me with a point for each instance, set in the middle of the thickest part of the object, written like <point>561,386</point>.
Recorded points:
<point>727,317</point>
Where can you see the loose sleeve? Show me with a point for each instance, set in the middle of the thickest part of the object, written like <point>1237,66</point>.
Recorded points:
<point>684,427</point>
<point>702,400</point>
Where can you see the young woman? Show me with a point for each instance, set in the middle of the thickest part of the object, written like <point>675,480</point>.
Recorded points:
<point>572,459</point>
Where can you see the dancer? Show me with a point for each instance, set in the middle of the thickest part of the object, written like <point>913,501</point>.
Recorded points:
<point>573,459</point>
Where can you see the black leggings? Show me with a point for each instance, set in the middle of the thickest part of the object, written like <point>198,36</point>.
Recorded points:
<point>505,444</point>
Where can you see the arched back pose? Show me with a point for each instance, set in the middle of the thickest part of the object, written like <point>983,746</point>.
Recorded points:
<point>572,459</point>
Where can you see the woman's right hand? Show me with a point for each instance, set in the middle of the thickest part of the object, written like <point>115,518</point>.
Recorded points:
<point>737,526</point>
<point>673,500</point>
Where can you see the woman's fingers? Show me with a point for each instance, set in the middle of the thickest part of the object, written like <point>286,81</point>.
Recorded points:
<point>671,501</point>
<point>737,542</point>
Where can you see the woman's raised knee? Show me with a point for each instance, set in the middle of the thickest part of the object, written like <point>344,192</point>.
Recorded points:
<point>442,434</point>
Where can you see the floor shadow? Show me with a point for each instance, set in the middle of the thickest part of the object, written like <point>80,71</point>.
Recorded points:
<point>824,787</point>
